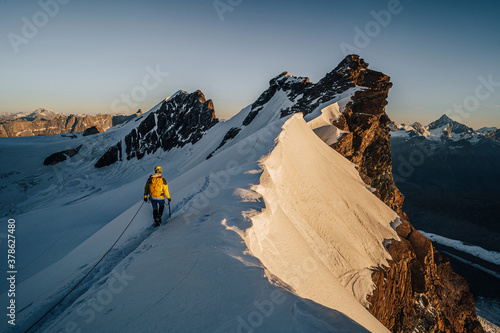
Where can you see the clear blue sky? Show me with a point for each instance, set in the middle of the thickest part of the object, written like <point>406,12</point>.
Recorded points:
<point>87,56</point>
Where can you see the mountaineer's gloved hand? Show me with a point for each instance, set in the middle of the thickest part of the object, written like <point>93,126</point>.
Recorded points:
<point>169,199</point>
<point>146,199</point>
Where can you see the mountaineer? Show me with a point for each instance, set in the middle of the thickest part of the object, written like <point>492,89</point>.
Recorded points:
<point>157,189</point>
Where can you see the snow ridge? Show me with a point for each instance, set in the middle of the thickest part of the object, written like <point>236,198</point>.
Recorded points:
<point>320,216</point>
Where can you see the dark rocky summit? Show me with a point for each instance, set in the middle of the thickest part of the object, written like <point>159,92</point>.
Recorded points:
<point>180,120</point>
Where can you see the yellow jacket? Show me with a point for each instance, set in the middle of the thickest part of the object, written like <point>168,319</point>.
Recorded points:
<point>156,187</point>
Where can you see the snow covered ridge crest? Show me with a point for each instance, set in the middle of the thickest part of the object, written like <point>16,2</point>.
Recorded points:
<point>316,200</point>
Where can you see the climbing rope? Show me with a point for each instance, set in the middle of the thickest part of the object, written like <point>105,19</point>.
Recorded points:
<point>90,271</point>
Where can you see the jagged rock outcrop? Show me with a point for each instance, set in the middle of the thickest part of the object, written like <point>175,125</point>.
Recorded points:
<point>61,156</point>
<point>494,135</point>
<point>418,290</point>
<point>92,130</point>
<point>367,143</point>
<point>180,120</point>
<point>47,122</point>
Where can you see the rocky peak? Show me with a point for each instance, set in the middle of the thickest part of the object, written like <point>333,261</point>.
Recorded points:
<point>450,126</point>
<point>444,120</point>
<point>307,96</point>
<point>395,127</point>
<point>353,71</point>
<point>364,119</point>
<point>181,119</point>
<point>419,129</point>
<point>286,80</point>
<point>352,68</point>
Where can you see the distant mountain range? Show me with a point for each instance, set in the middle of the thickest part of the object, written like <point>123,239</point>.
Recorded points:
<point>445,129</point>
<point>449,175</point>
<point>47,122</point>
<point>37,114</point>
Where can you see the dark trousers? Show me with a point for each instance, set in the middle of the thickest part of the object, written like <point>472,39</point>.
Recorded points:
<point>158,206</point>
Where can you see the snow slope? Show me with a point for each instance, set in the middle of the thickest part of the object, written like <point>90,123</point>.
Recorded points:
<point>296,197</point>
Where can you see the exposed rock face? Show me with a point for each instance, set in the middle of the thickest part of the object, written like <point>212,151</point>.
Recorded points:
<point>418,289</point>
<point>494,135</point>
<point>181,119</point>
<point>450,127</point>
<point>367,144</point>
<point>44,123</point>
<point>61,156</point>
<point>92,130</point>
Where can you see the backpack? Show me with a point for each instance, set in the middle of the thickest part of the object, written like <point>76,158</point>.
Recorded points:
<point>156,186</point>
